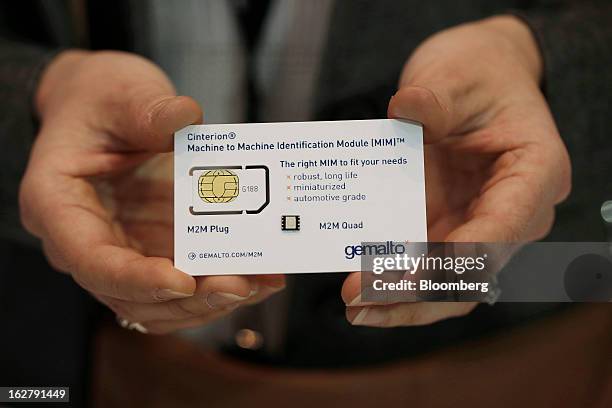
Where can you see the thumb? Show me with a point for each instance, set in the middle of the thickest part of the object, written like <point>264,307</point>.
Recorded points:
<point>422,105</point>
<point>150,119</point>
<point>444,107</point>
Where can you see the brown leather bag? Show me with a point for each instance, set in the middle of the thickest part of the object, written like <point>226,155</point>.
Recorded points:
<point>563,361</point>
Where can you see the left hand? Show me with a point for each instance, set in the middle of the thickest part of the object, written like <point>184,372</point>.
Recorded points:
<point>102,210</point>
<point>495,165</point>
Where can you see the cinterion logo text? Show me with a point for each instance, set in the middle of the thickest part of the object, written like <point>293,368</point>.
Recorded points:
<point>206,137</point>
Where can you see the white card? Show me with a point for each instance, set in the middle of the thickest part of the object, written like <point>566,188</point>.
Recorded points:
<point>294,197</point>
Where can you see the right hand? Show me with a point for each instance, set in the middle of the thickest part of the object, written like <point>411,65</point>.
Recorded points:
<point>101,217</point>
<point>495,164</point>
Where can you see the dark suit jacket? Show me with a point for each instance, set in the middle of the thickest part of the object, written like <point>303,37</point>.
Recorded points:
<point>45,319</point>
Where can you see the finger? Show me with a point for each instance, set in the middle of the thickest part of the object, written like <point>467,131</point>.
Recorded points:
<point>80,232</point>
<point>144,313</point>
<point>152,115</point>
<point>407,314</point>
<point>271,280</point>
<point>212,294</point>
<point>352,293</point>
<point>169,326</point>
<point>263,293</point>
<point>143,205</point>
<point>150,238</point>
<point>351,290</point>
<point>496,226</point>
<point>515,206</point>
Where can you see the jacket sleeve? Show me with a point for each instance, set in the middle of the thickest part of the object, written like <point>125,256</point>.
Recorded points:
<point>575,40</point>
<point>20,69</point>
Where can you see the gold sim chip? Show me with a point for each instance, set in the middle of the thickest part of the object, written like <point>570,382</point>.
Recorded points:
<point>225,190</point>
<point>218,186</point>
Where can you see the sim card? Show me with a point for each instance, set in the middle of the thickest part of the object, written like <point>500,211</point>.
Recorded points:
<point>294,197</point>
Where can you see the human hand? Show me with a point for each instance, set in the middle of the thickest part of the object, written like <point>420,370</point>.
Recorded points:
<point>495,165</point>
<point>96,193</point>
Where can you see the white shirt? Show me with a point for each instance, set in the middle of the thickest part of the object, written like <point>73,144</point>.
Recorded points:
<point>198,44</point>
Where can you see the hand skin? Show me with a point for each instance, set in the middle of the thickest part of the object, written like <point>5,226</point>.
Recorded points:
<point>495,165</point>
<point>99,195</point>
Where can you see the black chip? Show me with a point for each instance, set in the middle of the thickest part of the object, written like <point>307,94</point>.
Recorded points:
<point>290,222</point>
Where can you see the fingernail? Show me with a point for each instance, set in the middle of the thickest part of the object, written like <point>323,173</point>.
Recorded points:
<point>275,289</point>
<point>369,316</point>
<point>220,299</point>
<point>168,294</point>
<point>276,283</point>
<point>357,301</point>
<point>139,328</point>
